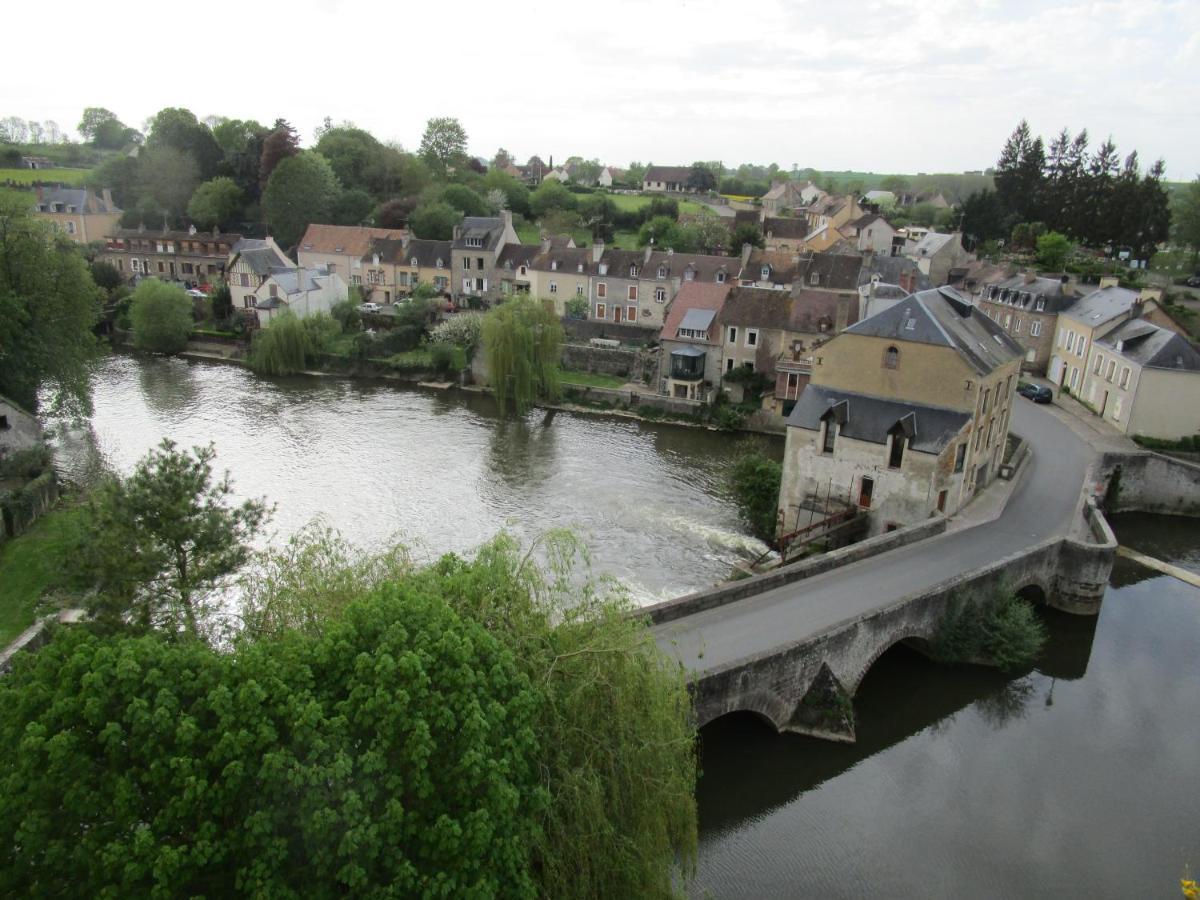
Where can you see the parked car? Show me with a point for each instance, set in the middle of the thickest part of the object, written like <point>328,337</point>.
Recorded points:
<point>1193,281</point>
<point>370,308</point>
<point>1036,393</point>
<point>196,294</point>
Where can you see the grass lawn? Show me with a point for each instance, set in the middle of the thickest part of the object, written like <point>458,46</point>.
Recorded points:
<point>631,202</point>
<point>31,565</point>
<point>592,379</point>
<point>626,240</point>
<point>29,176</point>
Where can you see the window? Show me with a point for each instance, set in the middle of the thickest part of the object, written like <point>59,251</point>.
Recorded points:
<point>631,313</point>
<point>579,290</point>
<point>1125,376</point>
<point>793,381</point>
<point>439,262</point>
<point>633,271</point>
<point>521,271</point>
<point>662,271</point>
<point>1112,371</point>
<point>356,279</point>
<point>601,310</point>
<point>632,292</point>
<point>274,289</point>
<point>1098,364</point>
<point>941,501</point>
<point>960,457</point>
<point>1017,326</point>
<point>1007,320</point>
<point>474,242</point>
<point>829,437</point>
<point>891,358</point>
<point>1035,329</point>
<point>729,365</point>
<point>814,278</point>
<point>1041,305</point>
<point>751,337</point>
<point>479,263</point>
<point>1117,409</point>
<point>1070,341</point>
<point>554,287</point>
<point>554,265</point>
<point>732,338</point>
<point>720,278</point>
<point>689,275</point>
<point>601,290</point>
<point>603,268</point>
<point>660,295</point>
<point>413,262</point>
<point>896,453</point>
<point>244,280</point>
<point>70,227</point>
<point>765,272</point>
<point>910,324</point>
<point>987,395</point>
<point>865,490</point>
<point>466,262</point>
<point>160,267</point>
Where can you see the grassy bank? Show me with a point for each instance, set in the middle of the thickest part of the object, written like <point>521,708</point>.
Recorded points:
<point>29,176</point>
<point>31,565</point>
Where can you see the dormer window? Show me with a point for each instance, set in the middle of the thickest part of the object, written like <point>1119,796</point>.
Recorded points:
<point>765,272</point>
<point>1041,305</point>
<point>474,242</point>
<point>439,262</point>
<point>554,265</point>
<point>521,271</point>
<point>579,267</point>
<point>689,275</point>
<point>337,249</point>
<point>633,271</point>
<point>662,271</point>
<point>603,268</point>
<point>814,278</point>
<point>720,278</point>
<point>413,262</point>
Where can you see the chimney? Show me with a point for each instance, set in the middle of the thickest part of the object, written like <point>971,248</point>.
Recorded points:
<point>457,233</point>
<point>1135,310</point>
<point>649,250</point>
<point>1107,281</point>
<point>597,250</point>
<point>506,215</point>
<point>747,249</point>
<point>545,243</point>
<point>106,196</point>
<point>1154,294</point>
<point>843,313</point>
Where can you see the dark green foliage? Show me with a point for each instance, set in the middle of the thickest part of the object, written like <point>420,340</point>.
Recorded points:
<point>702,178</point>
<point>1052,251</point>
<point>434,221</point>
<point>158,541</point>
<point>217,202</point>
<point>346,314</point>
<point>353,207</point>
<point>447,358</point>
<point>282,348</point>
<point>178,129</point>
<point>279,144</point>
<point>48,306</point>
<point>222,303</point>
<point>522,341</point>
<point>662,206</point>
<point>161,315</point>
<point>392,755</point>
<point>1185,217</point>
<point>745,233</point>
<point>444,145</point>
<point>550,195</point>
<point>106,276</point>
<point>997,627</point>
<point>302,189</point>
<point>120,175</point>
<point>754,481</point>
<point>465,200</point>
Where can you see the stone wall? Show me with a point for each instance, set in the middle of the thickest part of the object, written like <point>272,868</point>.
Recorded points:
<point>1150,482</point>
<point>623,362</point>
<point>585,329</point>
<point>633,400</point>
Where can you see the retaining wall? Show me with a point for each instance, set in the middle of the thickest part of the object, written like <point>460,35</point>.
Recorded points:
<point>1150,482</point>
<point>634,400</point>
<point>607,361</point>
<point>586,329</point>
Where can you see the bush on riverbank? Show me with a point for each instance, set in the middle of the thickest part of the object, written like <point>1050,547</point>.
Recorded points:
<point>754,481</point>
<point>998,628</point>
<point>161,316</point>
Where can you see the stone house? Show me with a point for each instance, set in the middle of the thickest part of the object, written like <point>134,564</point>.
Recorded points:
<point>82,214</point>
<point>301,290</point>
<point>19,429</point>
<point>512,268</point>
<point>250,262</point>
<point>477,243</point>
<point>690,360</point>
<point>830,213</point>
<point>783,235</point>
<point>906,414</point>
<point>394,267</point>
<point>191,257</point>
<point>936,254</point>
<point>668,179</point>
<point>560,272</point>
<point>872,233</point>
<point>1145,380</point>
<point>1027,307</point>
<point>785,196</point>
<point>776,270</point>
<point>342,249</point>
<point>884,281</point>
<point>635,286</point>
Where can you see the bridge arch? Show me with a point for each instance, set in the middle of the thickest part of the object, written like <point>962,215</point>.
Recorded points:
<point>1035,591</point>
<point>919,640</point>
<point>765,705</point>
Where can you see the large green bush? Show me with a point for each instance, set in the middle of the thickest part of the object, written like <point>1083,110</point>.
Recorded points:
<point>161,316</point>
<point>997,628</point>
<point>754,480</point>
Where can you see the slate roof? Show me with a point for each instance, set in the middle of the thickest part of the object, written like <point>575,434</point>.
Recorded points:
<point>784,266</point>
<point>758,308</point>
<point>569,259</point>
<point>348,240</point>
<point>693,295</point>
<point>930,429</point>
<point>704,267</point>
<point>515,255</point>
<point>698,319</point>
<point>1101,306</point>
<point>85,202</point>
<point>401,253</point>
<point>619,261</point>
<point>668,173</point>
<point>1152,346</point>
<point>946,318</point>
<point>259,255</point>
<point>489,228</point>
<point>812,308</point>
<point>294,280</point>
<point>834,271</point>
<point>890,268</point>
<point>172,235</point>
<point>783,227</point>
<point>932,243</point>
<point>1022,292</point>
<point>746,217</point>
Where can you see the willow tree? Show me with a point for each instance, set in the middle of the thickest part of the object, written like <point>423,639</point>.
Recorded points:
<point>281,348</point>
<point>522,343</point>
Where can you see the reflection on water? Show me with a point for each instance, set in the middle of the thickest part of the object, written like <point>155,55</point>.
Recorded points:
<point>443,471</point>
<point>1078,778</point>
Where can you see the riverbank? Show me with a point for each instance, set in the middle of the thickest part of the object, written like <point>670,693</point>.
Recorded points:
<point>32,565</point>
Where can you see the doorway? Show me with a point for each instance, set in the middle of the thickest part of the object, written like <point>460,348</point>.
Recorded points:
<point>865,490</point>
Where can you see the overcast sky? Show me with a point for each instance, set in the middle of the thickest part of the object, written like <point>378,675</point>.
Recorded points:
<point>926,86</point>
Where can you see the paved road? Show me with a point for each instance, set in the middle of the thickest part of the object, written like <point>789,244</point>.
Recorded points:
<point>1043,505</point>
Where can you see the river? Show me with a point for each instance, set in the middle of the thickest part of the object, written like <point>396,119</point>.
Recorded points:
<point>1080,778</point>
<point>438,471</point>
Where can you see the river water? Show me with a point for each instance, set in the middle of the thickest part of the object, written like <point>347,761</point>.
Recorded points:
<point>438,471</point>
<point>1080,777</point>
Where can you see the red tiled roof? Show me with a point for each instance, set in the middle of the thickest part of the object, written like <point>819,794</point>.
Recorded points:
<point>350,240</point>
<point>693,295</point>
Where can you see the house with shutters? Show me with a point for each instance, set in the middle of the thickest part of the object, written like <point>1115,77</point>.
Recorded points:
<point>636,286</point>
<point>343,250</point>
<point>82,214</point>
<point>560,273</point>
<point>905,416</point>
<point>393,267</point>
<point>690,360</point>
<point>1027,307</point>
<point>189,257</point>
<point>476,246</point>
<point>250,263</point>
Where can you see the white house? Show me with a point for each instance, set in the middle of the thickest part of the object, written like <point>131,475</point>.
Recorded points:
<point>250,262</point>
<point>303,291</point>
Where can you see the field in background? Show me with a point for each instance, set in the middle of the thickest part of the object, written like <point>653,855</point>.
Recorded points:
<point>73,177</point>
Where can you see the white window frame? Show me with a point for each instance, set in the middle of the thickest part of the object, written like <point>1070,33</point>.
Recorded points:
<point>601,310</point>
<point>554,287</point>
<point>731,335</point>
<point>602,290</point>
<point>751,337</point>
<point>1035,329</point>
<point>660,295</point>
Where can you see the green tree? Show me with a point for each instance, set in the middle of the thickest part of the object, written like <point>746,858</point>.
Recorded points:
<point>664,232</point>
<point>522,342</point>
<point>159,540</point>
<point>222,303</point>
<point>710,233</point>
<point>444,145</point>
<point>702,177</point>
<point>179,130</point>
<point>394,754</point>
<point>48,307</point>
<point>1186,218</point>
<point>346,314</point>
<point>168,178</point>
<point>279,144</point>
<point>102,127</point>
<point>93,117</point>
<point>551,194</point>
<point>745,233</point>
<point>434,221</point>
<point>754,481</point>
<point>1052,251</point>
<point>353,207</point>
<point>635,173</point>
<point>217,202</point>
<point>464,200</point>
<point>302,189</point>
<point>106,276</point>
<point>161,314</point>
<point>895,183</point>
<point>120,174</point>
<point>282,348</point>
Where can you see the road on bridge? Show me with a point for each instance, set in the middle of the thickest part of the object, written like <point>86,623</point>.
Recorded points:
<point>1043,505</point>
